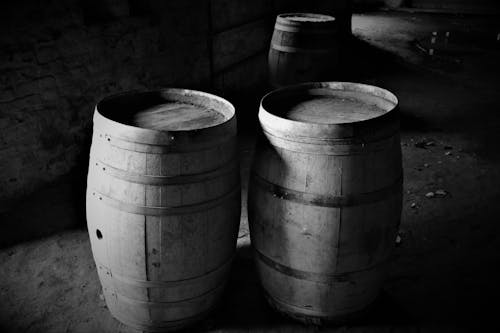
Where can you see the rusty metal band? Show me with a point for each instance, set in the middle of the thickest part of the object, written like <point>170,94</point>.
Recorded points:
<point>149,325</point>
<point>339,147</point>
<point>167,284</point>
<point>308,276</point>
<point>310,314</point>
<point>161,326</point>
<point>302,29</point>
<point>325,200</point>
<point>164,180</point>
<point>161,149</point>
<point>161,211</point>
<point>291,49</point>
<point>152,304</point>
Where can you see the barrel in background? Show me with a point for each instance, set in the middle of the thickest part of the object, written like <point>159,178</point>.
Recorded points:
<point>304,48</point>
<point>163,204</point>
<point>325,197</point>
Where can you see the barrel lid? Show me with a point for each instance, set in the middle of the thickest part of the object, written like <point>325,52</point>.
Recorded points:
<point>306,17</point>
<point>162,116</point>
<point>327,109</point>
<point>305,20</point>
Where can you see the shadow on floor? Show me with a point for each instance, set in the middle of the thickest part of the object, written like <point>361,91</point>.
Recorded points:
<point>57,207</point>
<point>244,305</point>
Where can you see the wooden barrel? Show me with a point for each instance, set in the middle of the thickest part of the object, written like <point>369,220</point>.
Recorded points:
<point>163,204</point>
<point>325,197</point>
<point>304,48</point>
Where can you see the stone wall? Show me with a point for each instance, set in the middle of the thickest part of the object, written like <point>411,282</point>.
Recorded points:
<point>59,57</point>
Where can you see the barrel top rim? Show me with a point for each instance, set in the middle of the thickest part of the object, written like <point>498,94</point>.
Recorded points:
<point>333,85</point>
<point>316,18</point>
<point>176,91</point>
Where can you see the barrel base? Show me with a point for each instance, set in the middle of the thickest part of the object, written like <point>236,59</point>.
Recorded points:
<point>294,313</point>
<point>160,323</point>
<point>170,327</point>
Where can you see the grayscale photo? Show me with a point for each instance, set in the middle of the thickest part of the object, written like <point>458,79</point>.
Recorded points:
<point>249,166</point>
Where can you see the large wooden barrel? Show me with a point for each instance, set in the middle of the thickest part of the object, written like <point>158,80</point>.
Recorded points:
<point>163,204</point>
<point>325,197</point>
<point>304,48</point>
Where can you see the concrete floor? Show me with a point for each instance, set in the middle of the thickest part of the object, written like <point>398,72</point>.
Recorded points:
<point>444,274</point>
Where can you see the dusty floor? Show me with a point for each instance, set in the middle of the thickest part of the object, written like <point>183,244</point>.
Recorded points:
<point>444,274</point>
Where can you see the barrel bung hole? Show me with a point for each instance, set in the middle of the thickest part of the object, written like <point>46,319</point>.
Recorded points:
<point>98,233</point>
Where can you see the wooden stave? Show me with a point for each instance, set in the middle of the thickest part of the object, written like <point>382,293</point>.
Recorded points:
<point>192,292</point>
<point>365,131</point>
<point>298,47</point>
<point>305,39</point>
<point>372,195</point>
<point>215,282</point>
<point>188,291</point>
<point>134,319</point>
<point>102,253</point>
<point>305,65</point>
<point>181,139</point>
<point>276,282</point>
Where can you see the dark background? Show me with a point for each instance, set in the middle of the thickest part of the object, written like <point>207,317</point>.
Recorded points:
<point>58,58</point>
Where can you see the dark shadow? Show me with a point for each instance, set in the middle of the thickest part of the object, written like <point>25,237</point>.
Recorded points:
<point>54,208</point>
<point>44,213</point>
<point>244,306</point>
<point>412,122</point>
<point>428,101</point>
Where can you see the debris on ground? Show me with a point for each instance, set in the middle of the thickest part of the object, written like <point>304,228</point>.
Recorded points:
<point>102,302</point>
<point>398,240</point>
<point>441,193</point>
<point>424,143</point>
<point>437,193</point>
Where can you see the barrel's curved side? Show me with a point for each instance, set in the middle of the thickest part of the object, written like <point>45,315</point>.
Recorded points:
<point>163,219</point>
<point>323,217</point>
<point>302,52</point>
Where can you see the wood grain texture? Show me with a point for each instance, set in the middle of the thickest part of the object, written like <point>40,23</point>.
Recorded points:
<point>325,202</point>
<point>177,116</point>
<point>163,215</point>
<point>304,48</point>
